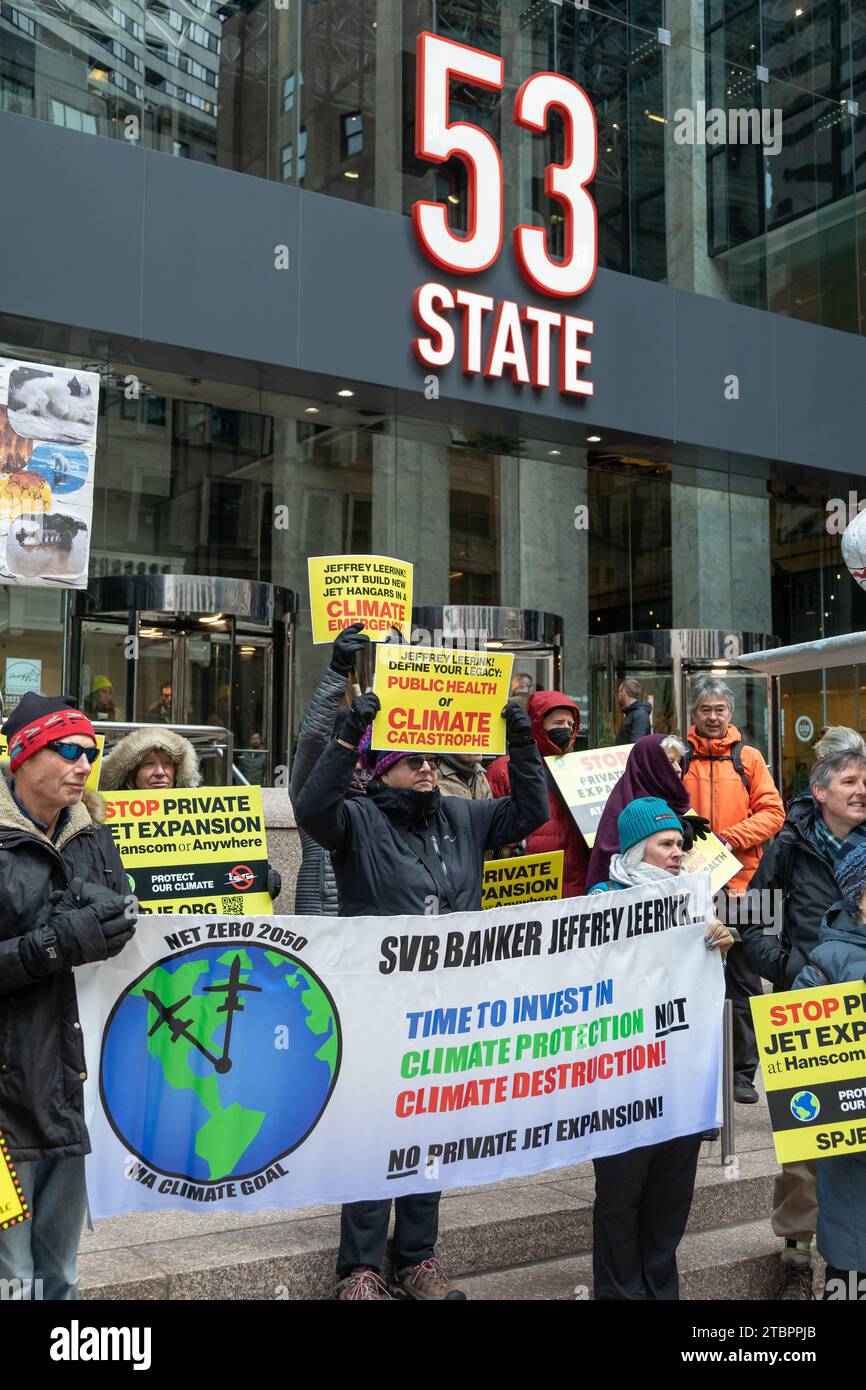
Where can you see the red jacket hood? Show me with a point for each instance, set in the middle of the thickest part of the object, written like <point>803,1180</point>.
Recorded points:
<point>538,707</point>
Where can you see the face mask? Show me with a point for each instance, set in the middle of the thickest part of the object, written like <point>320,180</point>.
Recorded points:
<point>561,737</point>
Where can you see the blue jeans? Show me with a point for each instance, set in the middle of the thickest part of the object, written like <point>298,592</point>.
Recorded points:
<point>40,1254</point>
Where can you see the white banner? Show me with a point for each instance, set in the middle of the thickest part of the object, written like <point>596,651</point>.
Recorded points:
<point>286,1061</point>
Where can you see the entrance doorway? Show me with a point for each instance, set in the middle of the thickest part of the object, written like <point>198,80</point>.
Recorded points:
<point>183,650</point>
<point>668,664</point>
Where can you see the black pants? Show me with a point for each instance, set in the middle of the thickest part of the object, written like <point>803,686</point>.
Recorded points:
<point>364,1232</point>
<point>850,1286</point>
<point>742,982</point>
<point>642,1203</point>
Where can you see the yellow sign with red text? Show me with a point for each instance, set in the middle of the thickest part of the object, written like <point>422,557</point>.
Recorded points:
<point>371,589</point>
<point>435,700</point>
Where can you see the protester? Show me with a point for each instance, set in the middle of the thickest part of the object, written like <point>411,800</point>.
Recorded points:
<point>522,686</point>
<point>729,783</point>
<point>150,759</point>
<point>464,776</point>
<point>555,724</point>
<point>795,885</point>
<point>316,888</point>
<point>675,750</point>
<point>648,772</point>
<point>643,1197</point>
<point>637,712</point>
<point>404,848</point>
<point>841,1180</point>
<point>100,702</point>
<point>63,902</point>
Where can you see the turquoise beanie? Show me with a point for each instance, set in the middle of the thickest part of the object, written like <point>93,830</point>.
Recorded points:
<point>644,817</point>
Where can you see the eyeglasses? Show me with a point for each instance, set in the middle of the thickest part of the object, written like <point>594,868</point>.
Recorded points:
<point>417,761</point>
<point>72,752</point>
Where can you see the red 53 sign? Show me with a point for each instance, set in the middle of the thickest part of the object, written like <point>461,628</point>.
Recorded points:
<point>440,139</point>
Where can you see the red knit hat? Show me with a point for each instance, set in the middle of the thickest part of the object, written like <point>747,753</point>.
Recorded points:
<point>39,720</point>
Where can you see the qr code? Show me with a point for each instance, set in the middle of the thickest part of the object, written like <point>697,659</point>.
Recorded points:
<point>233,906</point>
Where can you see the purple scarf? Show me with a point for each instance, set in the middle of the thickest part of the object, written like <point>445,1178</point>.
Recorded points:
<point>648,772</point>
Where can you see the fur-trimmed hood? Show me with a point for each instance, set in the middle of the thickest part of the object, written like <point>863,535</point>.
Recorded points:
<point>131,751</point>
<point>90,810</point>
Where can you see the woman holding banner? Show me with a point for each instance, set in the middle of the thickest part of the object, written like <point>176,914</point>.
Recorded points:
<point>643,1197</point>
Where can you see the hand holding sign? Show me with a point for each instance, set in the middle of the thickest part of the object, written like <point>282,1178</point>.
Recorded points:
<point>351,724</point>
<point>351,642</point>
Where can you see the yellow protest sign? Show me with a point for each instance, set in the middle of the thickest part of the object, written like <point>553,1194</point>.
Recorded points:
<point>585,781</point>
<point>202,850</point>
<point>13,1208</point>
<point>710,856</point>
<point>373,589</point>
<point>525,878</point>
<point>93,779</point>
<point>441,701</point>
<point>812,1046</point>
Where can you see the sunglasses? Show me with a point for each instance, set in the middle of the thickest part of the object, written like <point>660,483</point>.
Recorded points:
<point>71,751</point>
<point>417,760</point>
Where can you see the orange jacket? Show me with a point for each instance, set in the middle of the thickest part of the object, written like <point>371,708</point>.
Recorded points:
<point>746,819</point>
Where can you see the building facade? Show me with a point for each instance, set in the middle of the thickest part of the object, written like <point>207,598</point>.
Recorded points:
<point>212,210</point>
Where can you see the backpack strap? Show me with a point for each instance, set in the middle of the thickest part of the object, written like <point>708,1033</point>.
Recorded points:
<point>421,850</point>
<point>735,756</point>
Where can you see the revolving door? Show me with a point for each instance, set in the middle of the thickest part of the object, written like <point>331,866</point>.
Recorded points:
<point>189,650</point>
<point>667,665</point>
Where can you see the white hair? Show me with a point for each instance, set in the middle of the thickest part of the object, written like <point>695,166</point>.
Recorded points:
<point>633,857</point>
<point>836,738</point>
<point>710,685</point>
<point>671,741</point>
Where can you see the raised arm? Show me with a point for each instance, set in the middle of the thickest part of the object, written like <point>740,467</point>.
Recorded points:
<point>318,725</point>
<point>513,817</point>
<point>321,807</point>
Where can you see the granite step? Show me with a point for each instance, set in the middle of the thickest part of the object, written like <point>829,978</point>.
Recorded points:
<point>732,1262</point>
<point>535,1222</point>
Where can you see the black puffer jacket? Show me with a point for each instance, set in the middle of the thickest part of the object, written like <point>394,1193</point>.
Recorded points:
<point>41,1044</point>
<point>792,866</point>
<point>376,871</point>
<point>316,888</point>
<point>637,722</point>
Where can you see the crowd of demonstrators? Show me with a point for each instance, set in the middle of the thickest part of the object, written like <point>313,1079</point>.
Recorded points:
<point>637,713</point>
<point>800,870</point>
<point>555,724</point>
<point>398,849</point>
<point>63,902</point>
<point>839,956</point>
<point>150,760</point>
<point>730,785</point>
<point>643,1196</point>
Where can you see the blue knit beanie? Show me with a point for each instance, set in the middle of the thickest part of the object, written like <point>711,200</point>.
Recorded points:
<point>851,873</point>
<point>644,817</point>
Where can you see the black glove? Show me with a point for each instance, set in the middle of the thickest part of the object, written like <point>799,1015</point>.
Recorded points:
<point>694,828</point>
<point>275,883</point>
<point>87,922</point>
<point>518,725</point>
<point>351,723</point>
<point>351,641</point>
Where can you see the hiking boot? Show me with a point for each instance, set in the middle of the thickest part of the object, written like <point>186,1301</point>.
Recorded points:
<point>363,1283</point>
<point>711,1135</point>
<point>744,1091</point>
<point>427,1280</point>
<point>795,1285</point>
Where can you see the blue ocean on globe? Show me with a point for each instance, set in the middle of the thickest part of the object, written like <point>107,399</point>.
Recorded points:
<point>208,1117</point>
<point>805,1106</point>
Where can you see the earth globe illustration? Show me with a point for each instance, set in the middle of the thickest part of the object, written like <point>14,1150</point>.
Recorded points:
<point>805,1106</point>
<point>218,1061</point>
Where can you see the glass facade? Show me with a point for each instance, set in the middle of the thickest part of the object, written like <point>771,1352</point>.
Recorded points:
<point>321,94</point>
<point>621,534</point>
